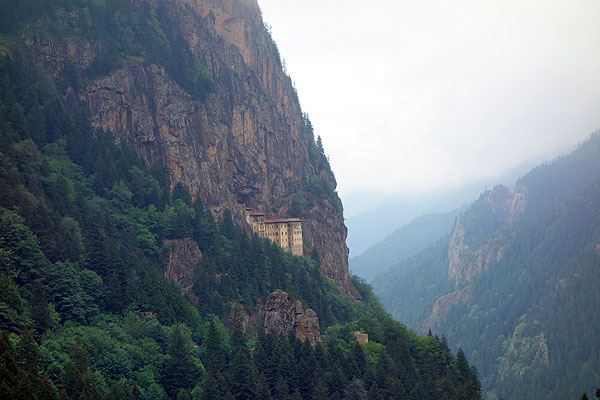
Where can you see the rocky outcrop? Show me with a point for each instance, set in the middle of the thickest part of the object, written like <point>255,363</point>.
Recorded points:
<point>184,255</point>
<point>478,240</point>
<point>239,317</point>
<point>525,354</point>
<point>465,266</point>
<point>56,55</point>
<point>284,315</point>
<point>248,143</point>
<point>362,338</point>
<point>443,305</point>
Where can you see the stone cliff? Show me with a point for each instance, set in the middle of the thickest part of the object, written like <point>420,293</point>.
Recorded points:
<point>248,143</point>
<point>284,315</point>
<point>478,239</point>
<point>184,255</point>
<point>443,305</point>
<point>525,355</point>
<point>279,313</point>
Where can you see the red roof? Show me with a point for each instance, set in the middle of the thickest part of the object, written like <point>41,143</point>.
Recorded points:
<point>256,213</point>
<point>273,221</point>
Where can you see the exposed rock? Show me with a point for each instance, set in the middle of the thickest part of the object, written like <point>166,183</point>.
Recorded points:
<point>519,203</point>
<point>525,354</point>
<point>362,338</point>
<point>484,256</point>
<point>148,314</point>
<point>53,52</point>
<point>457,249</point>
<point>474,249</point>
<point>184,255</point>
<point>284,315</point>
<point>238,316</point>
<point>246,144</point>
<point>443,305</point>
<point>561,284</point>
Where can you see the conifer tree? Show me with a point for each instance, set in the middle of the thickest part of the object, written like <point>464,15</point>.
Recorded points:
<point>242,385</point>
<point>179,371</point>
<point>27,355</point>
<point>78,381</point>
<point>8,369</point>
<point>39,308</point>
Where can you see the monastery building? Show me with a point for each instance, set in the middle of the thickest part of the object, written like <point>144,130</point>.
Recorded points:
<point>286,232</point>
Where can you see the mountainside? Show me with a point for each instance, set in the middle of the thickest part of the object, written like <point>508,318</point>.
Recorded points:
<point>513,284</point>
<point>130,131</point>
<point>367,228</point>
<point>402,244</point>
<point>198,86</point>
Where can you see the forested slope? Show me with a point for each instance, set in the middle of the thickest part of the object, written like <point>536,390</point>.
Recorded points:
<point>514,283</point>
<point>402,244</point>
<point>90,309</point>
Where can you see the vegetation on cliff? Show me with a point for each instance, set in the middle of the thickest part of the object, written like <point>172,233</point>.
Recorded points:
<point>86,311</point>
<point>402,244</point>
<point>526,312</point>
<point>128,33</point>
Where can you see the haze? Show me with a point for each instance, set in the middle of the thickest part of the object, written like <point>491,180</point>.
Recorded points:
<point>414,96</point>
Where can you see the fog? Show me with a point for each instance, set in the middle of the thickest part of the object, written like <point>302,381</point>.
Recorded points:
<point>420,95</point>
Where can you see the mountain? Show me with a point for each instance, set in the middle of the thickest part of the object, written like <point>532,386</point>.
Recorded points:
<point>384,217</point>
<point>513,284</point>
<point>198,86</point>
<point>402,244</point>
<point>133,135</point>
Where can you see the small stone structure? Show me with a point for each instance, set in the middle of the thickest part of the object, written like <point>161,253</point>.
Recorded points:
<point>285,232</point>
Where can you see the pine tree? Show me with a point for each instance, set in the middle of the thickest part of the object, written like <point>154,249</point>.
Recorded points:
<point>211,386</point>
<point>179,371</point>
<point>355,391</point>
<point>28,357</point>
<point>39,308</point>
<point>242,385</point>
<point>281,390</point>
<point>78,381</point>
<point>8,369</point>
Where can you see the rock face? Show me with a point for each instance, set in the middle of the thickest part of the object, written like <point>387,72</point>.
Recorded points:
<point>443,305</point>
<point>362,338</point>
<point>477,241</point>
<point>284,315</point>
<point>184,255</point>
<point>248,143</point>
<point>466,264</point>
<point>525,354</point>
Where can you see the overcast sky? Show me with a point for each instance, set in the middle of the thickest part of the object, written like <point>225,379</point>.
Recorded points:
<point>415,95</point>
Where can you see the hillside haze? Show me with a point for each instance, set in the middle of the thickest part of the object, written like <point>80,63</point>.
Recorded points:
<point>138,139</point>
<point>402,244</point>
<point>376,220</point>
<point>513,283</point>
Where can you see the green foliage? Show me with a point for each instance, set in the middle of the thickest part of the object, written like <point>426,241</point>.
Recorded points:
<point>83,290</point>
<point>321,189</point>
<point>402,244</point>
<point>421,279</point>
<point>533,303</point>
<point>127,32</point>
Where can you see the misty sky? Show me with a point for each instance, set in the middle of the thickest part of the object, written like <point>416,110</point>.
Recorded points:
<point>415,95</point>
